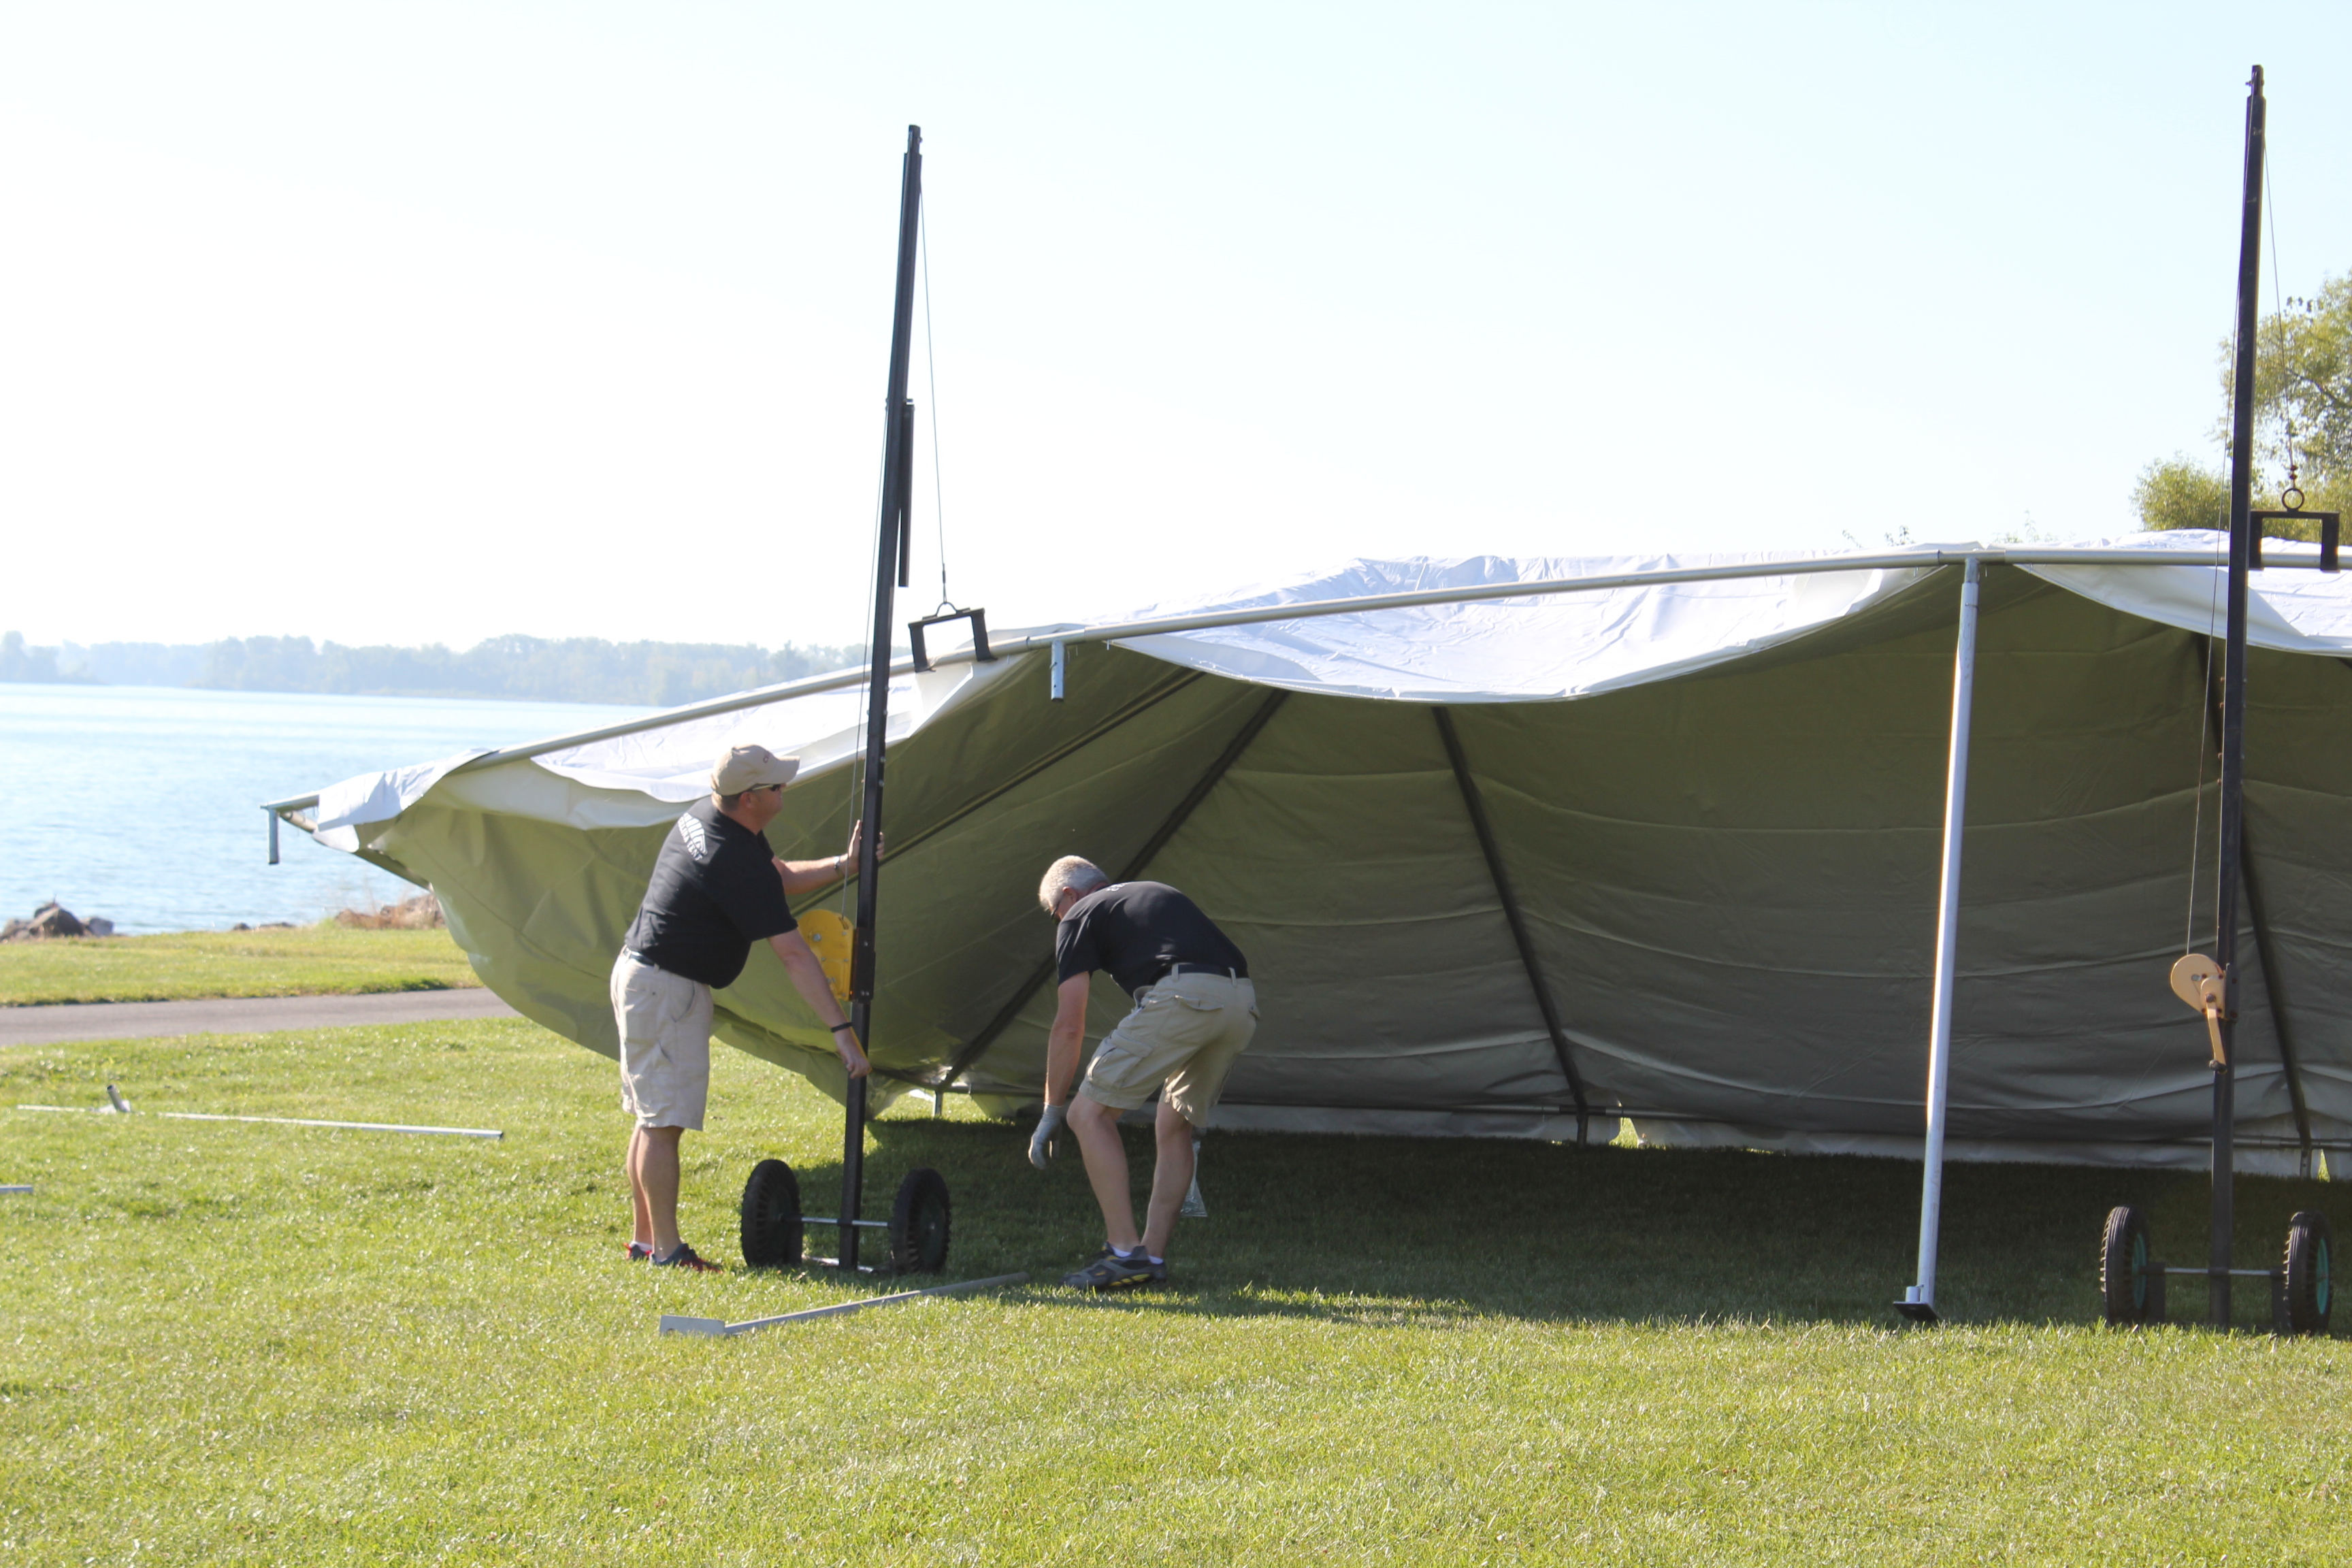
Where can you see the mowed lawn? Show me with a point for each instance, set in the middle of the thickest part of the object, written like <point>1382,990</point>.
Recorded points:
<point>249,1345</point>
<point>325,959</point>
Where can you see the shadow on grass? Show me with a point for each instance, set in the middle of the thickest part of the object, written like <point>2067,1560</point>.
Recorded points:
<point>1410,1230</point>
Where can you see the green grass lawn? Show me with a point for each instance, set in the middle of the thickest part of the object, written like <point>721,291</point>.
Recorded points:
<point>307,961</point>
<point>250,1345</point>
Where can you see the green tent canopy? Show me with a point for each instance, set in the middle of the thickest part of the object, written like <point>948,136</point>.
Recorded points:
<point>1521,860</point>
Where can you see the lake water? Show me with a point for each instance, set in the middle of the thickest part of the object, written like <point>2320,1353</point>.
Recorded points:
<point>142,804</point>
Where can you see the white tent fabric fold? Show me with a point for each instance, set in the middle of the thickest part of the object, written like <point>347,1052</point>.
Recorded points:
<point>1512,651</point>
<point>1713,811</point>
<point>2293,611</point>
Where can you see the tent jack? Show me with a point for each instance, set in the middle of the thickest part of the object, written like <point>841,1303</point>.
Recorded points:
<point>2131,1282</point>
<point>918,1226</point>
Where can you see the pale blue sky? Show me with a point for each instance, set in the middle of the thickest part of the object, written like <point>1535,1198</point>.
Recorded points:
<point>410,321</point>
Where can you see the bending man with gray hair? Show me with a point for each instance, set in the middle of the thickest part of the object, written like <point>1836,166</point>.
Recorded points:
<point>1194,1012</point>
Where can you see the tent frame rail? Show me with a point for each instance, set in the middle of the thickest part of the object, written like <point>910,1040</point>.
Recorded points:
<point>1125,631</point>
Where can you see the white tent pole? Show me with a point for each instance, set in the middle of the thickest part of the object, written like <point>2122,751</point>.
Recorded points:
<point>1922,1295</point>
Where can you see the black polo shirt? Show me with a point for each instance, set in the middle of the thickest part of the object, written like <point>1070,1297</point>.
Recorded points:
<point>1136,929</point>
<point>714,892</point>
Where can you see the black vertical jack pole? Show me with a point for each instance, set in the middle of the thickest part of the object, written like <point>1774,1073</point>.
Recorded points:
<point>889,549</point>
<point>2233,706</point>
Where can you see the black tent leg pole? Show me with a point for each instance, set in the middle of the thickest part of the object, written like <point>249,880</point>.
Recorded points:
<point>1475,806</point>
<point>2271,995</point>
<point>979,1042</point>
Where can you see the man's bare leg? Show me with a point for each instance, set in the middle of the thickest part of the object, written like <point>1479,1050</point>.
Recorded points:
<point>654,1173</point>
<point>1171,1178</point>
<point>641,1233</point>
<point>1096,1127</point>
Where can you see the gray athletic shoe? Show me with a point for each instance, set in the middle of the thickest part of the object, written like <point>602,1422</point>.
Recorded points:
<point>1109,1271</point>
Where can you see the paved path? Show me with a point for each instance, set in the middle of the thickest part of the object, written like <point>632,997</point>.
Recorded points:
<point>239,1015</point>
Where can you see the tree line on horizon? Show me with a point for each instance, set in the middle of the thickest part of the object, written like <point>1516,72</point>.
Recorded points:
<point>515,668</point>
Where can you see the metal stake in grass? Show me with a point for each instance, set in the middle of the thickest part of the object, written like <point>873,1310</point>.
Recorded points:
<point>717,1328</point>
<point>1195,1206</point>
<point>120,1107</point>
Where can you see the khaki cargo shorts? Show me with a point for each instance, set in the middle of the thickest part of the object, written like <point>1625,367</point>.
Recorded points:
<point>1185,1032</point>
<point>665,1022</point>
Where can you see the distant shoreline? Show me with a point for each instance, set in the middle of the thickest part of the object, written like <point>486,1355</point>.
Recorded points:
<point>513,668</point>
<point>518,700</point>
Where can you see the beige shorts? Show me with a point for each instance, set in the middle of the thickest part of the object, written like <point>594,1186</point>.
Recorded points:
<point>1185,1032</point>
<point>665,1023</point>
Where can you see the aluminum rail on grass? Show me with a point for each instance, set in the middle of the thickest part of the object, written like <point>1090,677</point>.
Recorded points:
<point>272,1120</point>
<point>1919,1302</point>
<point>719,1328</point>
<point>1120,631</point>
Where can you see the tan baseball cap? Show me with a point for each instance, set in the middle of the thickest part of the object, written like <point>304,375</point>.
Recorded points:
<point>750,767</point>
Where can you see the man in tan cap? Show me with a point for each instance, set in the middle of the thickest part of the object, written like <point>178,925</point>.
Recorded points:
<point>716,889</point>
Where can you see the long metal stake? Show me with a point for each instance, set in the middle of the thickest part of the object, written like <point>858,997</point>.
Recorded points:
<point>2233,708</point>
<point>1919,1302</point>
<point>888,566</point>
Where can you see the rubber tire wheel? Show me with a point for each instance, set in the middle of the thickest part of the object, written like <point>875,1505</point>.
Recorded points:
<point>921,1220</point>
<point>2309,1243</point>
<point>771,1217</point>
<point>2123,1266</point>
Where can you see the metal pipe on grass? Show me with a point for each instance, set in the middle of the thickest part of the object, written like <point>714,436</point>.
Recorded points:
<point>273,1120</point>
<point>719,1328</point>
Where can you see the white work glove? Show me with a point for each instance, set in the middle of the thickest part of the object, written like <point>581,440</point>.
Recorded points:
<point>1047,1125</point>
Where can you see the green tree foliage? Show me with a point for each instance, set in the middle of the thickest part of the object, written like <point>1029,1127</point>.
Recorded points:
<point>18,662</point>
<point>2303,380</point>
<point>2179,493</point>
<point>2303,424</point>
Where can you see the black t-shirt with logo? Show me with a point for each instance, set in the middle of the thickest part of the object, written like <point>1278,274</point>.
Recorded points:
<point>714,892</point>
<point>1136,929</point>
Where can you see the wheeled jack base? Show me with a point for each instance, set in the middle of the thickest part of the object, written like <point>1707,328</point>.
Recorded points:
<point>2132,1284</point>
<point>917,1229</point>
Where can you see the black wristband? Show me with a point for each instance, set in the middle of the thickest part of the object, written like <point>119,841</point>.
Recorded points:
<point>838,1027</point>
